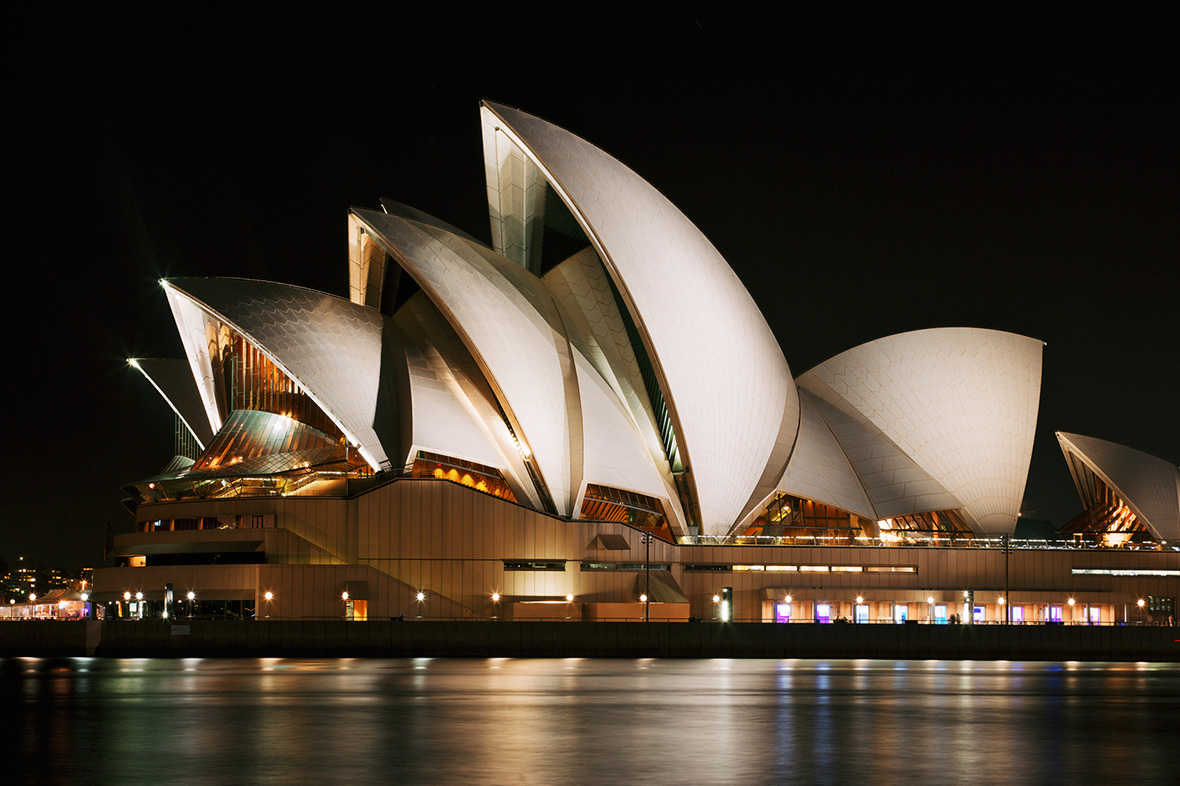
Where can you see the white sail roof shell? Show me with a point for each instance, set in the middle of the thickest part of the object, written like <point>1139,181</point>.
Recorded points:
<point>450,362</point>
<point>595,328</point>
<point>960,402</point>
<point>498,308</point>
<point>1150,486</point>
<point>723,374</point>
<point>190,323</point>
<point>614,455</point>
<point>328,345</point>
<point>819,469</point>
<point>174,381</point>
<point>443,422</point>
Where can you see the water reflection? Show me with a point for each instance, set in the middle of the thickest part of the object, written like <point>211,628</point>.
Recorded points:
<point>591,721</point>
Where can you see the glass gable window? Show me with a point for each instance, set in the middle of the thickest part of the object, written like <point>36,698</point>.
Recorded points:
<point>603,503</point>
<point>465,473</point>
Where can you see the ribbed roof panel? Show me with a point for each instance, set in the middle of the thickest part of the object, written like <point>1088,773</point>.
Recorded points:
<point>722,370</point>
<point>330,346</point>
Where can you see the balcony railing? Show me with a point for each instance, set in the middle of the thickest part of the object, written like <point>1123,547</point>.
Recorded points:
<point>914,541</point>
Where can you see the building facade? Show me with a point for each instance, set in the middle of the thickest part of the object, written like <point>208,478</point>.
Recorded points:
<point>589,418</point>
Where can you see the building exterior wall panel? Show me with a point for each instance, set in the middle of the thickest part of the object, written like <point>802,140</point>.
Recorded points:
<point>461,571</point>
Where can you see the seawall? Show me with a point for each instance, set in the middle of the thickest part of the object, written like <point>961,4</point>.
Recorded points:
<point>339,638</point>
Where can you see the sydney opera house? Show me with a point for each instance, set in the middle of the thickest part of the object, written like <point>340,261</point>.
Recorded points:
<point>589,418</point>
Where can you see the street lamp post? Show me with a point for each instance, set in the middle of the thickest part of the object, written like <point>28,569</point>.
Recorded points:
<point>1071,603</point>
<point>1140,603</point>
<point>1007,549</point>
<point>646,538</point>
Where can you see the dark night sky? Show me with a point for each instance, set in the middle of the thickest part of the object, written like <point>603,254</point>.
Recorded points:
<point>858,189</point>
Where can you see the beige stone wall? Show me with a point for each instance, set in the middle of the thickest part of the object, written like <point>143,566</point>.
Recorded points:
<point>452,543</point>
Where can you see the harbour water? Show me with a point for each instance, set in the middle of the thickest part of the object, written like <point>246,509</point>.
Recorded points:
<point>644,721</point>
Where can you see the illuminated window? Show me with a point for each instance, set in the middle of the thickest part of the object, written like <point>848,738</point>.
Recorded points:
<point>1123,572</point>
<point>534,565</point>
<point>604,503</point>
<point>466,473</point>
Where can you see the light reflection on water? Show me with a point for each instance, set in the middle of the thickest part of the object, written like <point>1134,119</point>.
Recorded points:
<point>574,720</point>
